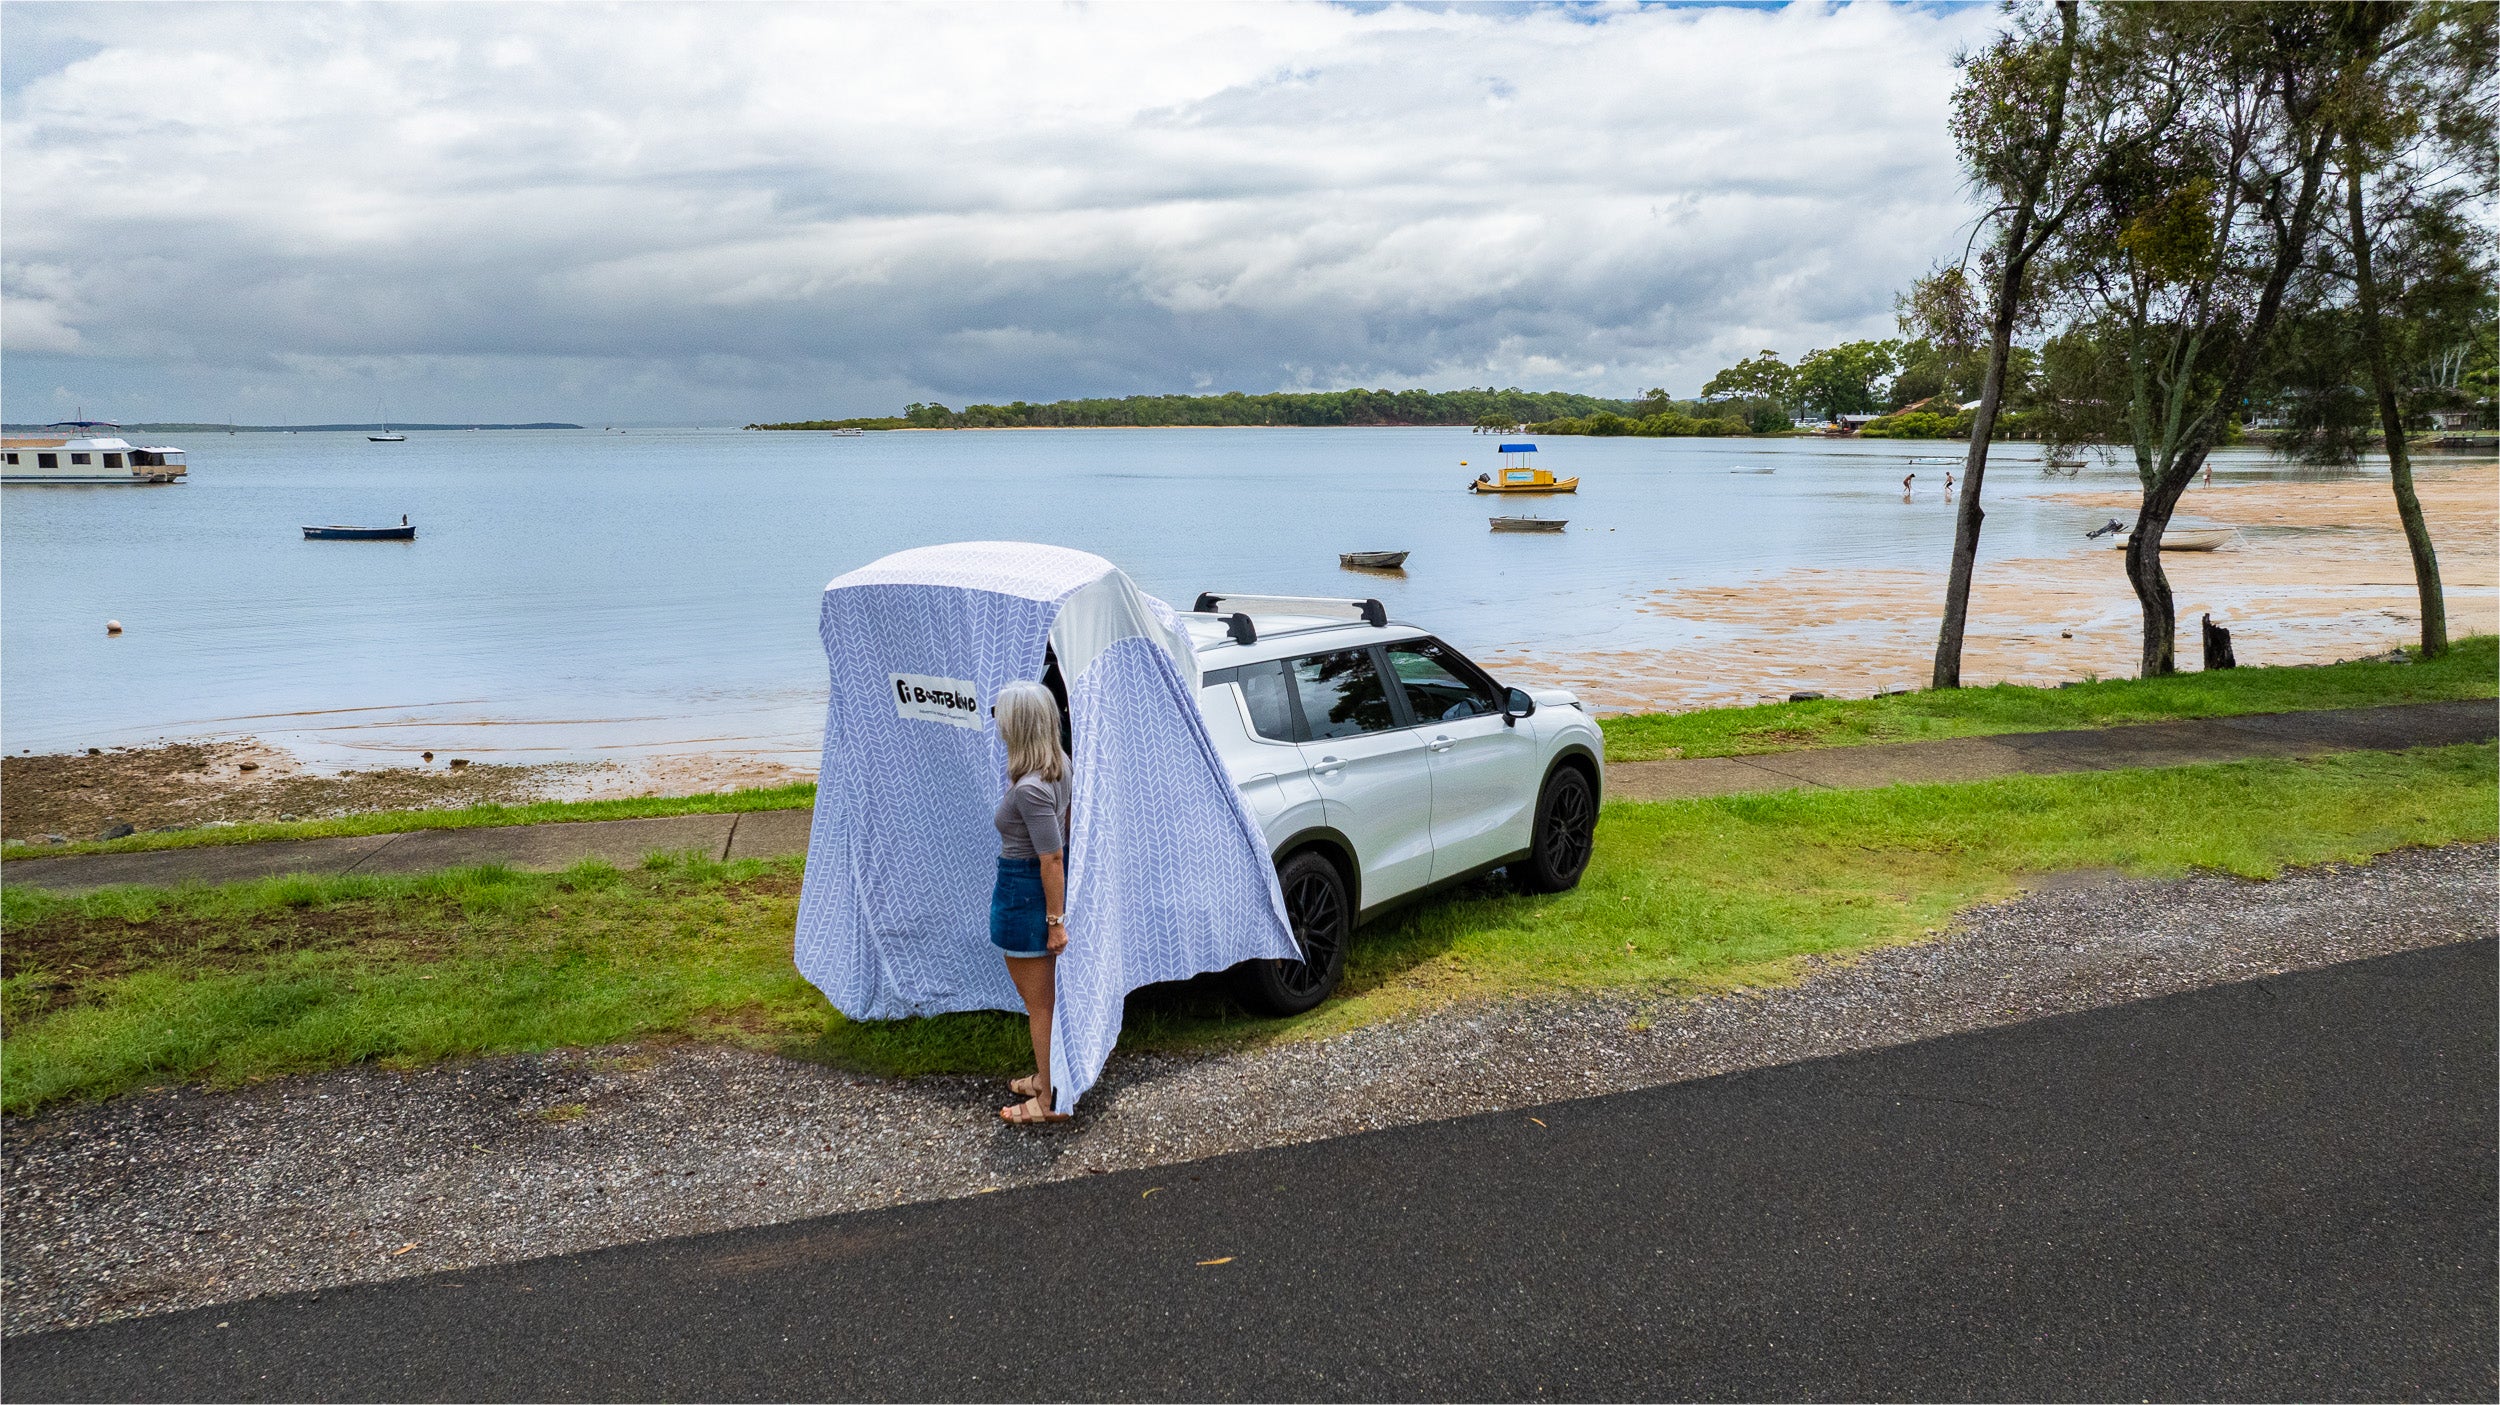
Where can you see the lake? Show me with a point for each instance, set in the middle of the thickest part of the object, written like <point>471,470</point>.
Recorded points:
<point>582,595</point>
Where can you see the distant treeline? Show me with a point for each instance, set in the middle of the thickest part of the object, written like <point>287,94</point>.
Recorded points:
<point>172,427</point>
<point>1312,407</point>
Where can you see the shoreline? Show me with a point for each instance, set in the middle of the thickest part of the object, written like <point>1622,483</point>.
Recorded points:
<point>2319,573</point>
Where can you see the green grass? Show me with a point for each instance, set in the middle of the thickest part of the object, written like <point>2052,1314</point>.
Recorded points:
<point>2470,669</point>
<point>784,797</point>
<point>132,987</point>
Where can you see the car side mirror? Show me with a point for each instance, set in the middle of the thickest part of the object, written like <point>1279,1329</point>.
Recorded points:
<point>1516,704</point>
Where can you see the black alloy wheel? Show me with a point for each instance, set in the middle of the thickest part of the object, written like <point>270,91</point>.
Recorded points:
<point>1566,833</point>
<point>1322,918</point>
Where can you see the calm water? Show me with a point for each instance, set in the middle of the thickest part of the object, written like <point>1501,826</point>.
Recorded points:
<point>588,594</point>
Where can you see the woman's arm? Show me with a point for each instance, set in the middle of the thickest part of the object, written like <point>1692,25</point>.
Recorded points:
<point>1054,899</point>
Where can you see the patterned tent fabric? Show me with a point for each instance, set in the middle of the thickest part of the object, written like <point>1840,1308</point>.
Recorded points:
<point>1168,874</point>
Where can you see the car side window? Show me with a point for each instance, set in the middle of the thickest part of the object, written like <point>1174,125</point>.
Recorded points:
<point>1342,694</point>
<point>1440,686</point>
<point>1263,687</point>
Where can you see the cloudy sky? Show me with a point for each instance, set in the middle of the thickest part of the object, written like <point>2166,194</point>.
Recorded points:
<point>725,212</point>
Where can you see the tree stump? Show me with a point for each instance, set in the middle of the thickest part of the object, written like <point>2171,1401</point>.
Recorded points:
<point>2217,647</point>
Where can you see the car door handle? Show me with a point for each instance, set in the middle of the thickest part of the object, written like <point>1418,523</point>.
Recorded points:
<point>1329,766</point>
<point>1440,744</point>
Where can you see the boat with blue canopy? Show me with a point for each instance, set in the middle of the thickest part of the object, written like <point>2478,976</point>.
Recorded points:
<point>1516,476</point>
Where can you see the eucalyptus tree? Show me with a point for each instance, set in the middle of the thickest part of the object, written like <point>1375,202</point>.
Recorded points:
<point>2043,116</point>
<point>2176,260</point>
<point>2404,282</point>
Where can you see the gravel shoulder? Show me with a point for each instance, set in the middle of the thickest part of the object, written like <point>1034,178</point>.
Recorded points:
<point>178,1198</point>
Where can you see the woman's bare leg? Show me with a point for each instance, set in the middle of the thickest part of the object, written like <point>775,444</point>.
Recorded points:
<point>1034,978</point>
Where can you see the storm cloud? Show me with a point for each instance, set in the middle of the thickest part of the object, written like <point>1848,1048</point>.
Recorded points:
<point>729,212</point>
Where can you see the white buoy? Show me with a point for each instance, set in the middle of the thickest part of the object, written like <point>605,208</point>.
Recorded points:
<point>112,626</point>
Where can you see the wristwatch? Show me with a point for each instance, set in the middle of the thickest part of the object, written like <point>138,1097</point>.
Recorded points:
<point>1054,920</point>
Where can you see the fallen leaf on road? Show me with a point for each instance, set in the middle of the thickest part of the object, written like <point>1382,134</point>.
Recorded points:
<point>1540,1122</point>
<point>1150,1190</point>
<point>1210,1263</point>
<point>402,1249</point>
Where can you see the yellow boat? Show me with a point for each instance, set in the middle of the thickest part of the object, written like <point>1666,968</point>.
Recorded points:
<point>1515,476</point>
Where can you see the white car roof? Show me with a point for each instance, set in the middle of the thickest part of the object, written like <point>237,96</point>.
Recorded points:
<point>1284,636</point>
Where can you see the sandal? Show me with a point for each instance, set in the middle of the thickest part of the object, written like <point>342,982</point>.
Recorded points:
<point>1033,1111</point>
<point>1029,1086</point>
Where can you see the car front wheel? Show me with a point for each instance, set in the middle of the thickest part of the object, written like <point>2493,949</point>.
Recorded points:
<point>1566,832</point>
<point>1322,916</point>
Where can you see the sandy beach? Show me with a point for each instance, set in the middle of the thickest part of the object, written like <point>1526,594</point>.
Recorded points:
<point>2316,571</point>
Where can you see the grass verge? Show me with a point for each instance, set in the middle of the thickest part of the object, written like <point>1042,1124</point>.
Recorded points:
<point>2470,669</point>
<point>782,797</point>
<point>224,985</point>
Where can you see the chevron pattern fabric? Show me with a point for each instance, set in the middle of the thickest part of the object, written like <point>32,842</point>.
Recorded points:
<point>1168,873</point>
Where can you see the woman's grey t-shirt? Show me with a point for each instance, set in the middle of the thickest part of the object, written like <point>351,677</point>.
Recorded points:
<point>1029,818</point>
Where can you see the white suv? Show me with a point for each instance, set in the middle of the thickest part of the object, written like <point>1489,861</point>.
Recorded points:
<point>1382,765</point>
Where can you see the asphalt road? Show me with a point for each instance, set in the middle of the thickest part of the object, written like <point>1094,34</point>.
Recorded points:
<point>2280,1189</point>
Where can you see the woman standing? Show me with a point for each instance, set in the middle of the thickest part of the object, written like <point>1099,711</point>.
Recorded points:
<point>1029,903</point>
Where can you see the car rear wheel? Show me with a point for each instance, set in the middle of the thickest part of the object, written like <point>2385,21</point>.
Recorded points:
<point>1322,916</point>
<point>1566,831</point>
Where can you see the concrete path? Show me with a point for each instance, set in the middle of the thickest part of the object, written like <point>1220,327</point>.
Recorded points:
<point>755,834</point>
<point>763,834</point>
<point>2049,753</point>
<point>2281,1189</point>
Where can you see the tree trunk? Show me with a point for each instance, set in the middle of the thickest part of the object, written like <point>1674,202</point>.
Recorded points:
<point>1966,519</point>
<point>2019,247</point>
<point>2391,421</point>
<point>2152,585</point>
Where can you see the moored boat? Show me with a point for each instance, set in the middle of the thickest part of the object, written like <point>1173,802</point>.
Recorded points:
<point>1529,524</point>
<point>2192,539</point>
<point>80,454</point>
<point>1372,560</point>
<point>401,533</point>
<point>1515,476</point>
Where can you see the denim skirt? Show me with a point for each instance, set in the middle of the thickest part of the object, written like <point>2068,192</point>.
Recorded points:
<point>1016,910</point>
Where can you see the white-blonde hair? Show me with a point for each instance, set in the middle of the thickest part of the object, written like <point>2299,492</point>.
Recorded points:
<point>1028,721</point>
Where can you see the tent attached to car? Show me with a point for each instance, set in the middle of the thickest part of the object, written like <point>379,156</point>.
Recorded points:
<point>1168,875</point>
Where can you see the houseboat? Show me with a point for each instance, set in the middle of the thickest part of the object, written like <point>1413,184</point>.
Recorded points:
<point>84,451</point>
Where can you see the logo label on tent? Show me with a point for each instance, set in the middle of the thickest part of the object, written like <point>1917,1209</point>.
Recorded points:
<point>952,701</point>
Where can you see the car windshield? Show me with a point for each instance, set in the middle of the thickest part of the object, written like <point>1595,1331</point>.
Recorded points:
<point>1437,685</point>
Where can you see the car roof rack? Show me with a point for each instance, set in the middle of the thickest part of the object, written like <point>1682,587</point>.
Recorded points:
<point>1239,610</point>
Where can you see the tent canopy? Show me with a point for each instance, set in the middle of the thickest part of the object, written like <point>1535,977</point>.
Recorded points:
<point>1168,874</point>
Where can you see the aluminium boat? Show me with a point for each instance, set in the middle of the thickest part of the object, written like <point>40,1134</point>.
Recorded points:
<point>334,533</point>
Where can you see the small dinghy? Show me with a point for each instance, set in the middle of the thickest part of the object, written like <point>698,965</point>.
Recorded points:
<point>401,533</point>
<point>1371,560</point>
<point>1529,524</point>
<point>2191,539</point>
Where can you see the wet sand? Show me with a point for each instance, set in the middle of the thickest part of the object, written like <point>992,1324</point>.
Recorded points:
<point>184,785</point>
<point>2317,572</point>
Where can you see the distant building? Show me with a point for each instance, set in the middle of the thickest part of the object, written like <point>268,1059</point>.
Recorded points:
<point>1855,422</point>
